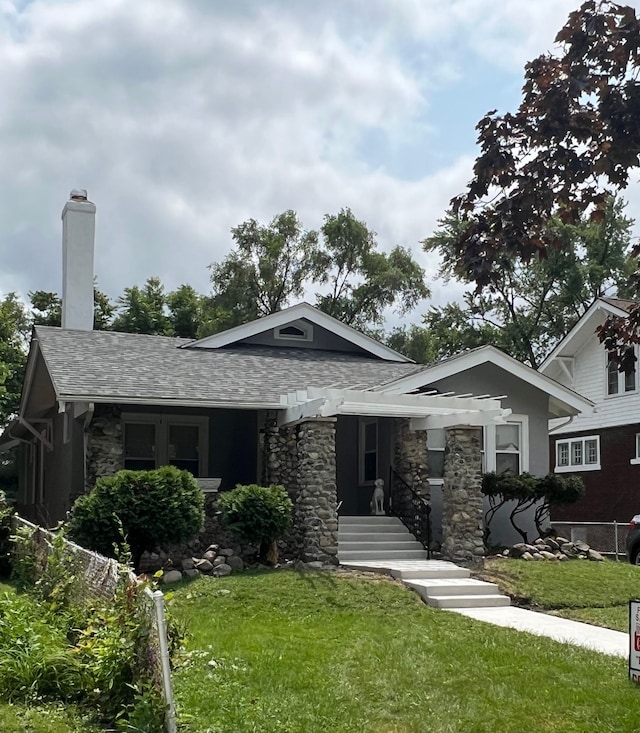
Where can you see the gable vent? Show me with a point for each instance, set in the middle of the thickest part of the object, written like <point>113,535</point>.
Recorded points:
<point>294,331</point>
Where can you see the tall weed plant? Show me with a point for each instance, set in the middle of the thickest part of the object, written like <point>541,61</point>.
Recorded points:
<point>56,645</point>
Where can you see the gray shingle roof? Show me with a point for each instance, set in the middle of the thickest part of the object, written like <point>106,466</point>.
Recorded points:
<point>120,367</point>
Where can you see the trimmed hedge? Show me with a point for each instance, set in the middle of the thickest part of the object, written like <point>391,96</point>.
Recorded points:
<point>145,508</point>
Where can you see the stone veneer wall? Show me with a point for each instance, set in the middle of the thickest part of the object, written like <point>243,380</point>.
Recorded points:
<point>105,452</point>
<point>462,512</point>
<point>410,457</point>
<point>315,512</point>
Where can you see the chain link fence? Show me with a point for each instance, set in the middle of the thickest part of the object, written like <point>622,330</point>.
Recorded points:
<point>607,538</point>
<point>97,578</point>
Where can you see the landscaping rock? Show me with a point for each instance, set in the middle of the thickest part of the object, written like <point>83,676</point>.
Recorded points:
<point>235,562</point>
<point>221,570</point>
<point>209,555</point>
<point>227,552</point>
<point>538,556</point>
<point>171,576</point>
<point>188,564</point>
<point>553,544</point>
<point>219,561</point>
<point>548,555</point>
<point>204,566</point>
<point>594,555</point>
<point>191,573</point>
<point>527,556</point>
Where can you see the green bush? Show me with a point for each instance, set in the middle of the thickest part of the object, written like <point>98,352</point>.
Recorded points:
<point>260,514</point>
<point>149,507</point>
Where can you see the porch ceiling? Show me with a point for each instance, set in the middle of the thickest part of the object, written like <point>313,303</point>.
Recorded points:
<point>425,410</point>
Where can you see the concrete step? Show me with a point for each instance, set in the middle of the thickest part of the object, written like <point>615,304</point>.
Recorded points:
<point>427,587</point>
<point>380,555</point>
<point>408,543</point>
<point>474,601</point>
<point>388,536</point>
<point>407,569</point>
<point>372,520</point>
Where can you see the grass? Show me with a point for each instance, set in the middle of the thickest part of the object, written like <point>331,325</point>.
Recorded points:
<point>295,652</point>
<point>594,592</point>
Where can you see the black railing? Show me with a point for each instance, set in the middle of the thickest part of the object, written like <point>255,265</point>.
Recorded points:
<point>411,508</point>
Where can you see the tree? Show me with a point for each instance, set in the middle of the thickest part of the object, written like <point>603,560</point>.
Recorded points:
<point>571,144</point>
<point>186,312</point>
<point>363,282</point>
<point>269,265</point>
<point>530,306</point>
<point>15,326</point>
<point>275,263</point>
<point>142,310</point>
<point>446,331</point>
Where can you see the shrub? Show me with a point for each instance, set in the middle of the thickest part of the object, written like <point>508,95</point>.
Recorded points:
<point>149,507</point>
<point>260,514</point>
<point>5,531</point>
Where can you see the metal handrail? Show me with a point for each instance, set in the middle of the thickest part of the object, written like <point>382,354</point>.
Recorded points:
<point>411,508</point>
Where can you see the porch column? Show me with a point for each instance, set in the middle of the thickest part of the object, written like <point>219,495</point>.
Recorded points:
<point>315,512</point>
<point>462,512</point>
<point>410,457</point>
<point>280,457</point>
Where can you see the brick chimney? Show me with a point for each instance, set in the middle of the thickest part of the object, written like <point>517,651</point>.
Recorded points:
<point>78,234</point>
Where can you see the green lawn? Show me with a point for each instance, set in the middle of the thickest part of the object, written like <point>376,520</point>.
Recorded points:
<point>594,592</point>
<point>293,652</point>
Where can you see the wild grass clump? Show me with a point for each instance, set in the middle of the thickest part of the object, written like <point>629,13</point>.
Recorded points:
<point>57,647</point>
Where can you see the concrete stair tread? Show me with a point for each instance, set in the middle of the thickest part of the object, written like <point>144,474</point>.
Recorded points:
<point>375,537</point>
<point>409,569</point>
<point>453,586</point>
<point>407,544</point>
<point>464,601</point>
<point>380,556</point>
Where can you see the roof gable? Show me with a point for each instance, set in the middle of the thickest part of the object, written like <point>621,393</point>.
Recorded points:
<point>584,329</point>
<point>562,400</point>
<point>296,316</point>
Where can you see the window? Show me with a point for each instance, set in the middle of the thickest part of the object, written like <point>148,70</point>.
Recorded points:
<point>151,441</point>
<point>506,446</point>
<point>636,459</point>
<point>578,454</point>
<point>435,453</point>
<point>620,382</point>
<point>508,440</point>
<point>368,449</point>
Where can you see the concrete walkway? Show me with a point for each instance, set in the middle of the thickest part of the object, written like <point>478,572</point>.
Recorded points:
<point>606,641</point>
<point>596,638</point>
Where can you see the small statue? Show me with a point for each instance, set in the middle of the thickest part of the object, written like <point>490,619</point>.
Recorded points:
<point>377,500</point>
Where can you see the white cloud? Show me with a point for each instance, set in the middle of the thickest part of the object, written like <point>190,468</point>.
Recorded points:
<point>183,118</point>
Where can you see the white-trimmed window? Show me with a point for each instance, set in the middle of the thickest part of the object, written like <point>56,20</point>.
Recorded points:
<point>435,454</point>
<point>151,441</point>
<point>368,450</point>
<point>506,446</point>
<point>578,454</point>
<point>636,459</point>
<point>621,382</point>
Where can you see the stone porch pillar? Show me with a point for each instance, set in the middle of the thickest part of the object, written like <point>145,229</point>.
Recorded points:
<point>280,457</point>
<point>462,512</point>
<point>410,457</point>
<point>315,511</point>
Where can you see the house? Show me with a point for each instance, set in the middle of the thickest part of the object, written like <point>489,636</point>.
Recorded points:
<point>602,447</point>
<point>296,398</point>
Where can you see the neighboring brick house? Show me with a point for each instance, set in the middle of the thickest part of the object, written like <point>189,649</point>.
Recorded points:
<point>296,397</point>
<point>603,447</point>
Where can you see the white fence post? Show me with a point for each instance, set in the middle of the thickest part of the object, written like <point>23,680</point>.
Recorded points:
<point>158,602</point>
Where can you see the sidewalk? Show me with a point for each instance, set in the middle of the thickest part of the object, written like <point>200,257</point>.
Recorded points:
<point>606,641</point>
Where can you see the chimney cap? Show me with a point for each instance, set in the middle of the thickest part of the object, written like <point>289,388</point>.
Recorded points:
<point>78,194</point>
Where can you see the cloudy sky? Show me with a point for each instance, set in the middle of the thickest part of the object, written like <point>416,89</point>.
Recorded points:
<point>183,118</point>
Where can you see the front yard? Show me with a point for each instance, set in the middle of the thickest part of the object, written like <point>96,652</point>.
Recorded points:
<point>293,652</point>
